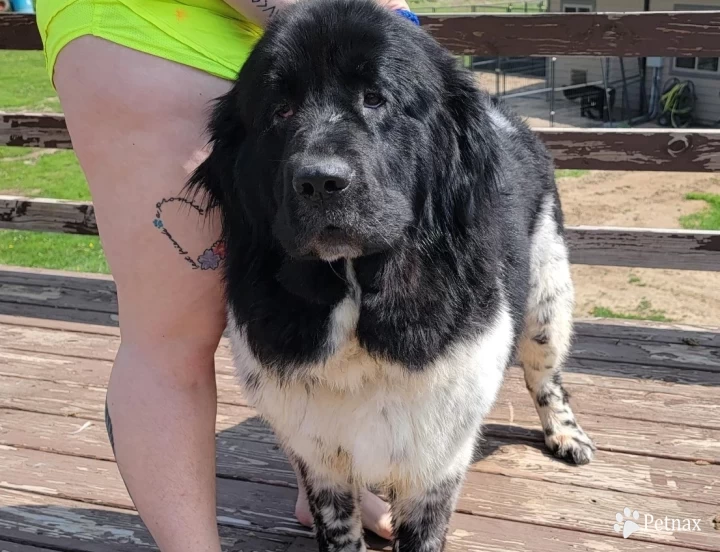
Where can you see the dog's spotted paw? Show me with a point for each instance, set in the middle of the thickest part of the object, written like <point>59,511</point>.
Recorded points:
<point>571,444</point>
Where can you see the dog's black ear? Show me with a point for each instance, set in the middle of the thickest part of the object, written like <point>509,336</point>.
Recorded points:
<point>475,168</point>
<point>214,179</point>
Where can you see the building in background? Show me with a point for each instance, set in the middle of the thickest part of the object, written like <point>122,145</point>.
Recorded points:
<point>698,77</point>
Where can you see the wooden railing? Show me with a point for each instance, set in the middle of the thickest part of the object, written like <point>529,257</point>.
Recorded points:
<point>531,6</point>
<point>673,34</point>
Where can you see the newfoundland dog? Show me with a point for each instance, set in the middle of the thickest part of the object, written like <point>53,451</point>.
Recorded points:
<point>394,241</point>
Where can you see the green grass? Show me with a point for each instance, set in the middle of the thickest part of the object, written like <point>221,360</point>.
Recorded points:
<point>30,172</point>
<point>7,152</point>
<point>635,280</point>
<point>570,173</point>
<point>644,311</point>
<point>708,218</point>
<point>25,84</point>
<point>58,251</point>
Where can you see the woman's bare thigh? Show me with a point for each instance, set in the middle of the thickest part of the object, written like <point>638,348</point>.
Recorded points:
<point>137,124</point>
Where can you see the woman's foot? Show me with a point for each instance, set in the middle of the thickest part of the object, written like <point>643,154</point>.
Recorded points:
<point>375,513</point>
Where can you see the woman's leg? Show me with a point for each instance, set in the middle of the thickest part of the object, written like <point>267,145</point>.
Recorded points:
<point>137,123</point>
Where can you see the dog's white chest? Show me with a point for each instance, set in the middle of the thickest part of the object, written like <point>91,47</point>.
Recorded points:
<point>381,421</point>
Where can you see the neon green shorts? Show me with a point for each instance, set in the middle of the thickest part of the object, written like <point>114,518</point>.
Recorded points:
<point>206,34</point>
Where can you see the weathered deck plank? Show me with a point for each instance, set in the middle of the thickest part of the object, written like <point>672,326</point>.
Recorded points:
<point>67,525</point>
<point>59,290</point>
<point>254,506</point>
<point>624,378</point>
<point>645,330</point>
<point>622,404</point>
<point>671,355</point>
<point>643,404</point>
<point>513,414</point>
<point>6,546</point>
<point>92,300</point>
<point>49,312</point>
<point>43,340</point>
<point>240,457</point>
<point>269,508</point>
<point>686,354</point>
<point>612,328</point>
<point>579,373</point>
<point>73,526</point>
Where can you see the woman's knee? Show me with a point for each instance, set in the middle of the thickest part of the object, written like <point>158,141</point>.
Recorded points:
<point>137,139</point>
<point>185,327</point>
<point>182,360</point>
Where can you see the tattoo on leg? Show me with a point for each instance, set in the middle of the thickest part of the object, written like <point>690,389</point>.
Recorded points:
<point>211,258</point>
<point>108,426</point>
<point>266,6</point>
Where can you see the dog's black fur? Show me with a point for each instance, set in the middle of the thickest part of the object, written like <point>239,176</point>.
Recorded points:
<point>432,240</point>
<point>444,204</point>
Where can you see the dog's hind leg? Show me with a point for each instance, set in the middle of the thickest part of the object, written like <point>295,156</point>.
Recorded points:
<point>547,337</point>
<point>335,506</point>
<point>421,512</point>
<point>421,517</point>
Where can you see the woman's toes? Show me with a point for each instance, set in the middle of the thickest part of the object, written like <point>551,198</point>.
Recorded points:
<point>376,515</point>
<point>302,509</point>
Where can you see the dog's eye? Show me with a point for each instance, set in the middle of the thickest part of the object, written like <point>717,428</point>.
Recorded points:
<point>373,100</point>
<point>285,112</point>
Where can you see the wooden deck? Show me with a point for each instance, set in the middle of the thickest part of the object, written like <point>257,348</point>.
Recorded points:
<point>649,396</point>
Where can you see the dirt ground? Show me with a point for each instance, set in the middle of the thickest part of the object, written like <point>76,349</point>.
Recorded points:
<point>645,200</point>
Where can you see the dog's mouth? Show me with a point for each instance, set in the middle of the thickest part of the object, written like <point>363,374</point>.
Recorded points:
<point>333,243</point>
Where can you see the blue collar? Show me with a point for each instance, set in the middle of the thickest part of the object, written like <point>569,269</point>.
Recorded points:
<point>410,16</point>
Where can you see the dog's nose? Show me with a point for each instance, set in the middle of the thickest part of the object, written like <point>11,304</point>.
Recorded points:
<point>321,179</point>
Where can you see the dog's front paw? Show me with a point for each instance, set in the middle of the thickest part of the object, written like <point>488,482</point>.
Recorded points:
<point>571,444</point>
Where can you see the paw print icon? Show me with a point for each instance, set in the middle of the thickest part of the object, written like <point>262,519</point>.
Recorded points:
<point>627,522</point>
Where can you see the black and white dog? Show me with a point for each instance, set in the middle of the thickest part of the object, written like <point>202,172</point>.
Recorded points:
<point>394,240</point>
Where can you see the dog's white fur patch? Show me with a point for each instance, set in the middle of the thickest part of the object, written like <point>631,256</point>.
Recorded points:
<point>550,277</point>
<point>547,338</point>
<point>500,122</point>
<point>355,414</point>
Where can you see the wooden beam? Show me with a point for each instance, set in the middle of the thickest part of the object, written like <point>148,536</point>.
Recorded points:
<point>7,546</point>
<point>47,215</point>
<point>647,248</point>
<point>41,130</point>
<point>631,247</point>
<point>671,34</point>
<point>634,149</point>
<point>19,32</point>
<point>574,148</point>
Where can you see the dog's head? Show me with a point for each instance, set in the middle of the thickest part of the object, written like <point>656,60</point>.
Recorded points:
<point>342,133</point>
